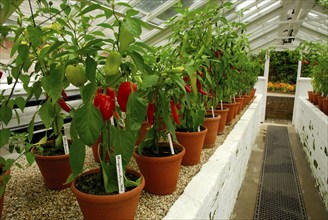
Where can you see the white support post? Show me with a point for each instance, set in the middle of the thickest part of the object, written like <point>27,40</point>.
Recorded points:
<point>266,77</point>
<point>299,71</point>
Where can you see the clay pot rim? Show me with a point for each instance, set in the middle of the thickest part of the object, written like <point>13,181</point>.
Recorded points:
<point>216,116</point>
<point>51,157</point>
<point>224,109</point>
<point>101,198</point>
<point>202,130</point>
<point>174,157</point>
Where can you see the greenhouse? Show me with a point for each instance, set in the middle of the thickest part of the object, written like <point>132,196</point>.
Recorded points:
<point>163,109</point>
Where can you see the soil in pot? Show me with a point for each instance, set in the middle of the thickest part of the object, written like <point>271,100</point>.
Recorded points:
<point>161,170</point>
<point>224,114</point>
<point>193,143</point>
<point>54,166</point>
<point>212,125</point>
<point>95,203</point>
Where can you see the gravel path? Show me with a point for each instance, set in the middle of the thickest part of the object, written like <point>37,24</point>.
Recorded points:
<point>27,197</point>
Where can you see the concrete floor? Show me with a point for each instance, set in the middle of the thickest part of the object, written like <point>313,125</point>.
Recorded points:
<point>246,201</point>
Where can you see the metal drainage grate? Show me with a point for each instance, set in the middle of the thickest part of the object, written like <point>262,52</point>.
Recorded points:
<point>279,195</point>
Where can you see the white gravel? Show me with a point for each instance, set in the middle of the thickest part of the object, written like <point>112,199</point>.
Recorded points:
<point>27,197</point>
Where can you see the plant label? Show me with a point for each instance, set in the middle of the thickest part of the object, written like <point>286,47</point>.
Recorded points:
<point>119,171</point>
<point>112,120</point>
<point>198,128</point>
<point>221,105</point>
<point>170,142</point>
<point>65,143</point>
<point>212,111</point>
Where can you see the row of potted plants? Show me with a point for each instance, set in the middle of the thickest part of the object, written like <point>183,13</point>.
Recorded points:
<point>125,85</point>
<point>314,56</point>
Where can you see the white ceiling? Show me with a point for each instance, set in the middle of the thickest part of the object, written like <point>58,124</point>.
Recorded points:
<point>271,23</point>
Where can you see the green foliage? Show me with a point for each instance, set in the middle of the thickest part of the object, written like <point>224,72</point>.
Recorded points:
<point>283,66</point>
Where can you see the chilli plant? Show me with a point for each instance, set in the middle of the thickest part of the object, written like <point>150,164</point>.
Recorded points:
<point>113,107</point>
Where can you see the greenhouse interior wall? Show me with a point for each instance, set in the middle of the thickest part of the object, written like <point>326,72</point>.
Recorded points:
<point>311,125</point>
<point>212,193</point>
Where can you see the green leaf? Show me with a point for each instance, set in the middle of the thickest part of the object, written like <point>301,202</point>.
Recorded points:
<point>149,81</point>
<point>105,25</point>
<point>88,123</point>
<point>5,114</point>
<point>47,113</point>
<point>4,136</point>
<point>20,102</point>
<point>23,51</point>
<point>108,12</point>
<point>53,83</point>
<point>136,111</point>
<point>37,90</point>
<point>88,93</point>
<point>139,62</point>
<point>90,69</point>
<point>77,156</point>
<point>131,12</point>
<point>30,129</point>
<point>30,157</point>
<point>35,35</point>
<point>134,26</point>
<point>98,33</point>
<point>55,46</point>
<point>89,9</point>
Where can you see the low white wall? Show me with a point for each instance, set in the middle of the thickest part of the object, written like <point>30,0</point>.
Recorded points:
<point>312,127</point>
<point>212,193</point>
<point>261,87</point>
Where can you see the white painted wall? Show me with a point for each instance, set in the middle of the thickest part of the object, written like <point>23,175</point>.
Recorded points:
<point>212,193</point>
<point>312,127</point>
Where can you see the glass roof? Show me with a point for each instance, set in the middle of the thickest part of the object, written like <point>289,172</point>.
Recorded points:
<point>270,22</point>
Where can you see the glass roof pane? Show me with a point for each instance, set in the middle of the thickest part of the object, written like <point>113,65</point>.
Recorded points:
<point>150,5</point>
<point>169,13</point>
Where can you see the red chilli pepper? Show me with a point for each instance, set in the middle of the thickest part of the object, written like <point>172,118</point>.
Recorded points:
<point>199,87</point>
<point>187,88</point>
<point>63,105</point>
<point>186,78</point>
<point>124,91</point>
<point>179,105</point>
<point>1,73</point>
<point>199,73</point>
<point>111,93</point>
<point>150,112</point>
<point>104,103</point>
<point>64,94</point>
<point>174,112</point>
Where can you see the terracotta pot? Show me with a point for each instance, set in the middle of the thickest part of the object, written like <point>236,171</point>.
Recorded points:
<point>117,206</point>
<point>310,95</point>
<point>212,125</point>
<point>246,100</point>
<point>224,114</point>
<point>325,105</point>
<point>232,109</point>
<point>54,169</point>
<point>319,97</point>
<point>238,109</point>
<point>315,98</point>
<point>161,173</point>
<point>252,93</point>
<point>2,197</point>
<point>143,131</point>
<point>193,143</point>
<point>241,103</point>
<point>96,150</point>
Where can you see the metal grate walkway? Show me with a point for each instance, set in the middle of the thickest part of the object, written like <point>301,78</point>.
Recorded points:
<point>279,195</point>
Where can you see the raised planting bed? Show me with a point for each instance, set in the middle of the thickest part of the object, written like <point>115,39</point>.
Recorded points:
<point>218,176</point>
<point>312,127</point>
<point>279,106</point>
